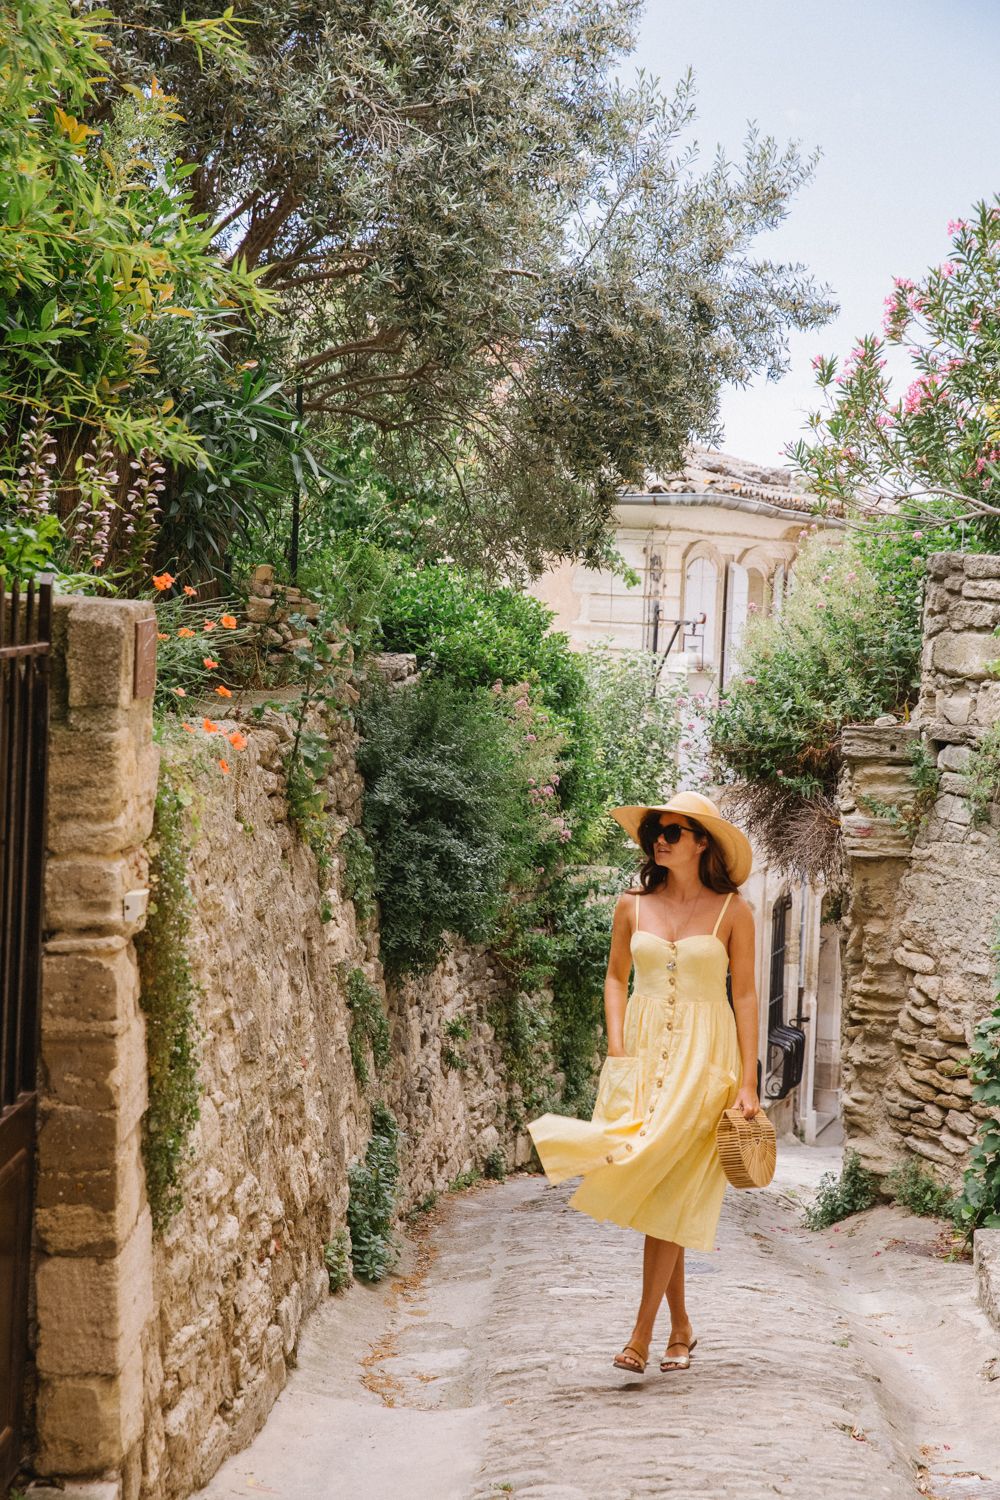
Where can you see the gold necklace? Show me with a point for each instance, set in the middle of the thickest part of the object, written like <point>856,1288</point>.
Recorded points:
<point>686,910</point>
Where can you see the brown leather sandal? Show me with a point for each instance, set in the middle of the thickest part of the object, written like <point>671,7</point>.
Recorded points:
<point>638,1365</point>
<point>681,1362</point>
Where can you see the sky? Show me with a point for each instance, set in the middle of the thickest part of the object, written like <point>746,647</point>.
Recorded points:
<point>901,96</point>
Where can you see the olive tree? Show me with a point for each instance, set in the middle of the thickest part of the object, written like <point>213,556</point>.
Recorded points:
<point>505,264</point>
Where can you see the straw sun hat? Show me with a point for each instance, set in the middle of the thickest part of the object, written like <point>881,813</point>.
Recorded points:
<point>732,841</point>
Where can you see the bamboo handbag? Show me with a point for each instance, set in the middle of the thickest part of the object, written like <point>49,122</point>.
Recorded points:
<point>747,1148</point>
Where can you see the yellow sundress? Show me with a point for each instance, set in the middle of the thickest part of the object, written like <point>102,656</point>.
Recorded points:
<point>647,1155</point>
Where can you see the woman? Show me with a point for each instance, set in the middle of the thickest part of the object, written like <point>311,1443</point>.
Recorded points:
<point>678,1055</point>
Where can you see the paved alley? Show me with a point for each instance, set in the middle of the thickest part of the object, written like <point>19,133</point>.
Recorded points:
<point>484,1368</point>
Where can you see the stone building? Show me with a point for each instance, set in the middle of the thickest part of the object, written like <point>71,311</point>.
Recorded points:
<point>710,546</point>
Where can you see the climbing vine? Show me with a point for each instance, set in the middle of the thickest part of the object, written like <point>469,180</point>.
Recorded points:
<point>169,997</point>
<point>983,775</point>
<point>369,1025</point>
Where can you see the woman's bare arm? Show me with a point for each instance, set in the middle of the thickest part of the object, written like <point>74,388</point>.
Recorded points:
<point>741,968</point>
<point>616,979</point>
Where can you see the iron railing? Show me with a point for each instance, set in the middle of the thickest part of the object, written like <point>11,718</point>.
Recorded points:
<point>25,629</point>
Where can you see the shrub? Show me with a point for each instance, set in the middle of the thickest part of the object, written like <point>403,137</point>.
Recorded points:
<point>915,1188</point>
<point>854,1190</point>
<point>844,649</point>
<point>373,1186</point>
<point>168,996</point>
<point>337,1260</point>
<point>445,813</point>
<point>495,1166</point>
<point>581,920</point>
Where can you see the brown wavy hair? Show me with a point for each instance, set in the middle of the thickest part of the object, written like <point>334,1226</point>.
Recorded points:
<point>712,870</point>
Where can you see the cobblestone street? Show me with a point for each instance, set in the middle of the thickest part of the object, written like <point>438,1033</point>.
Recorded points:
<point>819,1372</point>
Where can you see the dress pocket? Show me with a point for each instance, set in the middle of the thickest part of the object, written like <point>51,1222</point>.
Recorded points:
<point>616,1089</point>
<point>720,1086</point>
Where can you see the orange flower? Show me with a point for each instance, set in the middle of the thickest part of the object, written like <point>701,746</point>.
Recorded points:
<point>210,664</point>
<point>162,581</point>
<point>190,591</point>
<point>186,633</point>
<point>223,692</point>
<point>224,767</point>
<point>209,727</point>
<point>237,740</point>
<point>162,635</point>
<point>209,625</point>
<point>229,621</point>
<point>180,692</point>
<point>188,727</point>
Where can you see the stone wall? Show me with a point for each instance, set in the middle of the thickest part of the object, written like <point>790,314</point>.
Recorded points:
<point>924,902</point>
<point>282,1115</point>
<point>157,1355</point>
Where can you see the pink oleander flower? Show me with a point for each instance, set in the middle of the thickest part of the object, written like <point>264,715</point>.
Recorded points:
<point>947,269</point>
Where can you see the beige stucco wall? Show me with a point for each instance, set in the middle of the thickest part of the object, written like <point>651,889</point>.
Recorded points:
<point>592,605</point>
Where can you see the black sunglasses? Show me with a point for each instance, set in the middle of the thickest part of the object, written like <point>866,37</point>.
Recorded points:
<point>671,832</point>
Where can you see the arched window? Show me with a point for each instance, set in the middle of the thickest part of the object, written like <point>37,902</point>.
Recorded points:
<point>701,589</point>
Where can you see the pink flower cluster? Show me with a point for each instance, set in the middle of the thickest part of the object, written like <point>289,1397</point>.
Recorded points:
<point>925,388</point>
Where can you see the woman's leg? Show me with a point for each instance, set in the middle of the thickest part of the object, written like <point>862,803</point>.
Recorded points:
<point>659,1262</point>
<point>680,1323</point>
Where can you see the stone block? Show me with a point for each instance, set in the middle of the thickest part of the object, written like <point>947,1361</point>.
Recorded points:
<point>967,654</point>
<point>945,566</point>
<point>988,703</point>
<point>100,652</point>
<point>986,1264</point>
<point>982,588</point>
<point>954,707</point>
<point>88,986</point>
<point>98,1071</point>
<point>973,564</point>
<point>954,757</point>
<point>86,1424</point>
<point>973,613</point>
<point>91,1312</point>
<point>959,1123</point>
<point>908,958</point>
<point>82,893</point>
<point>73,1139</point>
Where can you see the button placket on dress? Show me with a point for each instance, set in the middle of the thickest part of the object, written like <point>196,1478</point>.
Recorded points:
<point>665,1038</point>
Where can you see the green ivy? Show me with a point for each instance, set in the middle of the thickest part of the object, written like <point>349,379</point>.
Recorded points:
<point>854,1190</point>
<point>169,998</point>
<point>983,775</point>
<point>359,873</point>
<point>374,1185</point>
<point>978,1207</point>
<point>369,1025</point>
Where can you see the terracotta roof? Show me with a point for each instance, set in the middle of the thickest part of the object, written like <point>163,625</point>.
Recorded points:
<point>710,473</point>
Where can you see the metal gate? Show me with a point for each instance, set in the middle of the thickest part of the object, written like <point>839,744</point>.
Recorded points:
<point>25,625</point>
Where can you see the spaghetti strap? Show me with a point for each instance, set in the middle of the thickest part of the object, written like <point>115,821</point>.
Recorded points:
<point>637,912</point>
<point>722,913</point>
